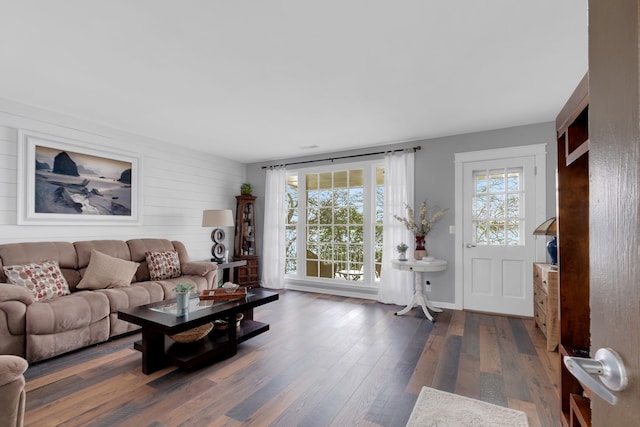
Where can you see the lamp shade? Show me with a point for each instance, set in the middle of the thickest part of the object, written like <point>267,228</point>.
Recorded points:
<point>217,218</point>
<point>547,228</point>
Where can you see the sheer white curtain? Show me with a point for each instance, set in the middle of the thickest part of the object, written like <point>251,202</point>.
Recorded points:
<point>396,287</point>
<point>273,248</point>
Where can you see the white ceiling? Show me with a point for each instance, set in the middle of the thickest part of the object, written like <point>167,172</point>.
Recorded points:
<point>263,79</point>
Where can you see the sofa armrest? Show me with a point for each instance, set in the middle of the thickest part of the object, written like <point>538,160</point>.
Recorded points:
<point>198,268</point>
<point>208,270</point>
<point>9,292</point>
<point>11,368</point>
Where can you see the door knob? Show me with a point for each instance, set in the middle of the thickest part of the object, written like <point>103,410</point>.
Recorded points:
<point>607,365</point>
<point>469,245</point>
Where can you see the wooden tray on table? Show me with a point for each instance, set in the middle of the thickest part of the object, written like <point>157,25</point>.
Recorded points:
<point>223,294</point>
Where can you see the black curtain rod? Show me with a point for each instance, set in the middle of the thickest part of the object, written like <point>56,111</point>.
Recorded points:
<point>416,148</point>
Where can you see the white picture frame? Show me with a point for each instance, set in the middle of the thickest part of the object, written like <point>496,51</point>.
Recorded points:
<point>67,182</point>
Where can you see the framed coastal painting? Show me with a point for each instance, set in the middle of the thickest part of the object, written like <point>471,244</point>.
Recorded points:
<point>67,182</point>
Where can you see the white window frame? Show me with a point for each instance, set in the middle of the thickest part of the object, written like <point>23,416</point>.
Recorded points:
<point>368,287</point>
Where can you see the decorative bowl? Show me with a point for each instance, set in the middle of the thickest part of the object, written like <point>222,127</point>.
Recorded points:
<point>230,287</point>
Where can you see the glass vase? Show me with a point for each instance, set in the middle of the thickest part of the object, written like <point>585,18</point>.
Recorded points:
<point>420,251</point>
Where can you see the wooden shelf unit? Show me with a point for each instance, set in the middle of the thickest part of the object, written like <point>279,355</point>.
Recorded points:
<point>246,244</point>
<point>573,248</point>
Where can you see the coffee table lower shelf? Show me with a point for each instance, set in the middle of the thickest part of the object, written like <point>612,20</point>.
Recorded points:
<point>215,346</point>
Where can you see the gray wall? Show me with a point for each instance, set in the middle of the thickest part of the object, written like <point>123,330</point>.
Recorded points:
<point>434,181</point>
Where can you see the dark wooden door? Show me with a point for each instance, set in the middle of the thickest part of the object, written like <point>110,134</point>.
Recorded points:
<point>614,204</point>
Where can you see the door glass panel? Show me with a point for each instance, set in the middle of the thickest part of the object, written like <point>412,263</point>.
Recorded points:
<point>497,207</point>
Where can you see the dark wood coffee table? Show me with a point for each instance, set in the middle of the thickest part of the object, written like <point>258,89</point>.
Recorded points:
<point>159,320</point>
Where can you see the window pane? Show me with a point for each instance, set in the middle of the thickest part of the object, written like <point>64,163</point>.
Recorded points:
<point>496,181</point>
<point>341,215</point>
<point>379,176</point>
<point>513,232</point>
<point>326,180</point>
<point>312,235</point>
<point>291,207</point>
<point>496,233</point>
<point>497,208</point>
<point>326,252</point>
<point>480,232</point>
<point>513,181</point>
<point>481,183</point>
<point>341,197</point>
<point>480,206</point>
<point>356,234</point>
<point>340,179</point>
<point>312,181</point>
<point>326,234</point>
<point>356,178</point>
<point>340,234</point>
<point>326,216</point>
<point>356,196</point>
<point>513,206</point>
<point>325,197</point>
<point>292,216</point>
<point>290,266</point>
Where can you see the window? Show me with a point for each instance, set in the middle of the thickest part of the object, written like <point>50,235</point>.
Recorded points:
<point>497,207</point>
<point>337,213</point>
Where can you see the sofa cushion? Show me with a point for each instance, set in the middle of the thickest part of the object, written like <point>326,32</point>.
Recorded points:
<point>105,271</point>
<point>75,311</point>
<point>44,279</point>
<point>163,265</point>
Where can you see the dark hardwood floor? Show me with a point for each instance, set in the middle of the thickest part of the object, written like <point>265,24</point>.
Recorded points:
<point>327,361</point>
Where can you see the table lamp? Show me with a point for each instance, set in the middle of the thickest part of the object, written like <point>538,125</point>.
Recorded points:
<point>218,218</point>
<point>549,228</point>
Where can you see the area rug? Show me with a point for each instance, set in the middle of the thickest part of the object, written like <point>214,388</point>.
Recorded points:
<point>435,408</point>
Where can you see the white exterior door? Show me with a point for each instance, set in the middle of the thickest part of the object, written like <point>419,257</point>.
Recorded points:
<point>499,214</point>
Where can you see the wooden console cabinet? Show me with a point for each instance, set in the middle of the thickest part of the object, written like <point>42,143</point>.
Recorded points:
<point>545,308</point>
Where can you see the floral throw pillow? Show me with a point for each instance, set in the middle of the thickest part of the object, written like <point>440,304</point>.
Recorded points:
<point>163,265</point>
<point>44,279</point>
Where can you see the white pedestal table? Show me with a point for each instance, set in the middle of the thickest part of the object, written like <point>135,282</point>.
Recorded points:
<point>419,298</point>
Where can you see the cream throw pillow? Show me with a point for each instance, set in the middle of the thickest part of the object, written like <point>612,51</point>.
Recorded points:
<point>105,271</point>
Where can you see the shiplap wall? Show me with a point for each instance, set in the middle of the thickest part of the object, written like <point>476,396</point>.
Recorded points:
<point>177,183</point>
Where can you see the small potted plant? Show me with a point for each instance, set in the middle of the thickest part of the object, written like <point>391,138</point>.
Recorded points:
<point>402,251</point>
<point>246,189</point>
<point>182,291</point>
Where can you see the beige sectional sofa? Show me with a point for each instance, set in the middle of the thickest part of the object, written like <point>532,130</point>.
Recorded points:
<point>37,330</point>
